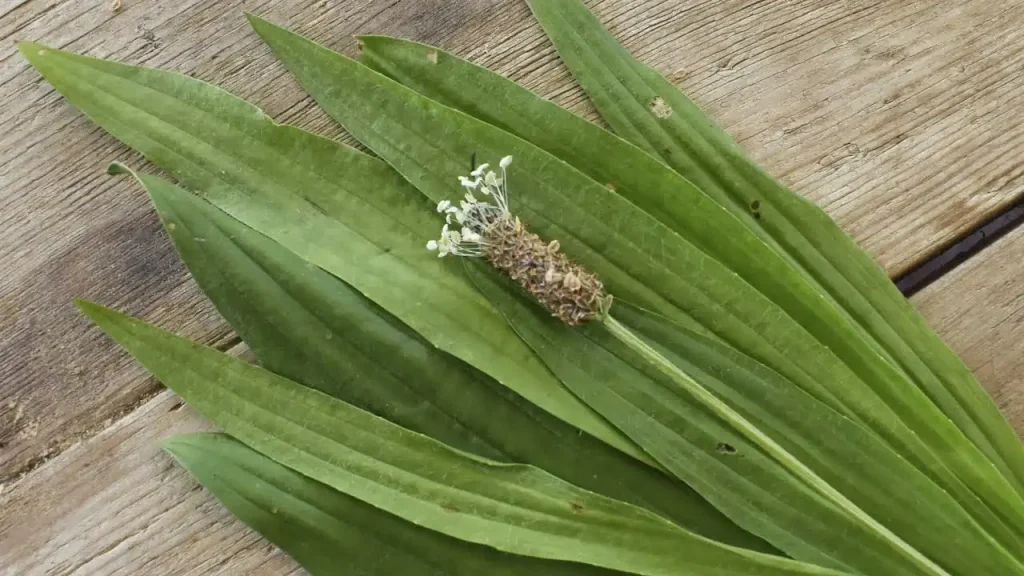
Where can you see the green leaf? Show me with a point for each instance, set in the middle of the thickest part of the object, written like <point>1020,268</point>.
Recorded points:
<point>329,532</point>
<point>624,90</point>
<point>850,502</point>
<point>511,507</point>
<point>337,208</point>
<point>311,327</point>
<point>709,267</point>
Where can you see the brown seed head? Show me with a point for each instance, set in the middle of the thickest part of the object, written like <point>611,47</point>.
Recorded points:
<point>568,290</point>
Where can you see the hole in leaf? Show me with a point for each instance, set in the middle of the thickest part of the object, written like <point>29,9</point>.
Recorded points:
<point>660,108</point>
<point>724,448</point>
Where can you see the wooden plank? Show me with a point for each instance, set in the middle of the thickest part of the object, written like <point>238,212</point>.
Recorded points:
<point>893,114</point>
<point>979,310</point>
<point>115,504</point>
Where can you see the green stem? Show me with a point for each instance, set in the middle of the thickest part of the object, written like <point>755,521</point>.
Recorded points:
<point>772,448</point>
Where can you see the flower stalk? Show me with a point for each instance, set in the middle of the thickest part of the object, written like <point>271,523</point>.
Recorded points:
<point>575,296</point>
<point>750,431</point>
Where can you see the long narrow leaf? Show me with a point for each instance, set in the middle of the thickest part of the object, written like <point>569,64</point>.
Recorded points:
<point>876,487</point>
<point>514,508</point>
<point>710,268</point>
<point>312,328</point>
<point>624,91</point>
<point>337,208</point>
<point>329,532</point>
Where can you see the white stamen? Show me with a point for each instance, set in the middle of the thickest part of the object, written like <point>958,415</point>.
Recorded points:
<point>471,214</point>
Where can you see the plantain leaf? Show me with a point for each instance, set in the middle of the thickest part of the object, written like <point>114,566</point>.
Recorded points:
<point>472,89</point>
<point>709,268</point>
<point>337,208</point>
<point>874,527</point>
<point>512,507</point>
<point>329,532</point>
<point>626,91</point>
<point>310,327</point>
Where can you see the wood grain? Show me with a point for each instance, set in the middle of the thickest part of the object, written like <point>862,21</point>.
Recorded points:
<point>117,505</point>
<point>979,310</point>
<point>896,115</point>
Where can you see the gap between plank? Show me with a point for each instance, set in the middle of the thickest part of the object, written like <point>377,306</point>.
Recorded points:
<point>960,249</point>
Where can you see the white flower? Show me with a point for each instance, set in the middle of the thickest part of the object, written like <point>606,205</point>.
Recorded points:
<point>474,216</point>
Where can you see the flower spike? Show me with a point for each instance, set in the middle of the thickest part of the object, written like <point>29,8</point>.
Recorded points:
<point>489,230</point>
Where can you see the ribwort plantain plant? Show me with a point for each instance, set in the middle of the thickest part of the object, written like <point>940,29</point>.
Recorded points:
<point>655,358</point>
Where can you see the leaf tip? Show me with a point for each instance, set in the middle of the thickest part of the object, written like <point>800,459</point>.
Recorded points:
<point>258,23</point>
<point>119,169</point>
<point>99,314</point>
<point>182,448</point>
<point>32,51</point>
<point>187,448</point>
<point>176,445</point>
<point>172,446</point>
<point>87,307</point>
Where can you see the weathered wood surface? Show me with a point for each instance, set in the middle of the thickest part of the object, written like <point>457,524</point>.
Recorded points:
<point>116,504</point>
<point>897,116</point>
<point>979,310</point>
